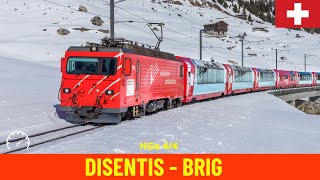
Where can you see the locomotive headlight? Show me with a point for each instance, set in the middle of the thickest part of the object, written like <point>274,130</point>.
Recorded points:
<point>94,48</point>
<point>109,92</point>
<point>67,90</point>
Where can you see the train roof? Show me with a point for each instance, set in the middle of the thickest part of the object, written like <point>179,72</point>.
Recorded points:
<point>208,64</point>
<point>304,73</point>
<point>241,68</point>
<point>125,46</point>
<point>285,72</point>
<point>265,70</point>
<point>130,49</point>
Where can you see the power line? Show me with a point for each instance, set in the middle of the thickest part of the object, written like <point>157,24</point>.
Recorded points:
<point>177,32</point>
<point>173,40</point>
<point>69,7</point>
<point>151,21</point>
<point>169,7</point>
<point>152,34</point>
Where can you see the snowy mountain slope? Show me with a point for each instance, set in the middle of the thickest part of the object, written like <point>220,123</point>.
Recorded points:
<point>22,34</point>
<point>252,123</point>
<point>28,95</point>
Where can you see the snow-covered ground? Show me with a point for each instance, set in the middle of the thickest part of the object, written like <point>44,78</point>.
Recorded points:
<point>28,97</point>
<point>30,51</point>
<point>252,123</point>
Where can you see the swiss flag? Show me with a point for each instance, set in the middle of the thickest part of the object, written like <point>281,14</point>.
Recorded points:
<point>298,13</point>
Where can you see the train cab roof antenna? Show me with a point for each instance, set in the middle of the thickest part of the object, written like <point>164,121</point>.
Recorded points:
<point>153,29</point>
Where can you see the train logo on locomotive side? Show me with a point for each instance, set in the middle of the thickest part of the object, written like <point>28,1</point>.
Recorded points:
<point>151,75</point>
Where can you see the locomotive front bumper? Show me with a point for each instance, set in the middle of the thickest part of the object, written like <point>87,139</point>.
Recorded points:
<point>91,114</point>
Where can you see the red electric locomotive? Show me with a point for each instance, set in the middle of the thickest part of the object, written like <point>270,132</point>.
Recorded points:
<point>116,79</point>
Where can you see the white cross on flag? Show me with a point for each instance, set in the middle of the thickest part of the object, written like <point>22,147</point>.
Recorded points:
<point>298,13</point>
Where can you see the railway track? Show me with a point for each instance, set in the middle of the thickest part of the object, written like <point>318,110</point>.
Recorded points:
<point>45,137</point>
<point>293,90</point>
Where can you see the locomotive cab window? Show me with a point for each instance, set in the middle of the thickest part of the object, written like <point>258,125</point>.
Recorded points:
<point>109,66</point>
<point>92,66</point>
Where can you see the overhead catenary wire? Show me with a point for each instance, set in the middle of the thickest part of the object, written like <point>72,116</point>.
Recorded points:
<point>126,24</point>
<point>170,29</point>
<point>69,7</point>
<point>177,32</point>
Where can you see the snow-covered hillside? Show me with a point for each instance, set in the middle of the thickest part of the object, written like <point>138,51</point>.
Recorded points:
<point>29,32</point>
<point>28,97</point>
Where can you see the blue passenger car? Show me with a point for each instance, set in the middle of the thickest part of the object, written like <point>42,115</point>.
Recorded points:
<point>267,79</point>
<point>243,79</point>
<point>210,79</point>
<point>305,79</point>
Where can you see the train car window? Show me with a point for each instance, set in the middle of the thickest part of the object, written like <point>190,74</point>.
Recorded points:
<point>181,71</point>
<point>242,76</point>
<point>266,76</point>
<point>199,78</point>
<point>210,75</point>
<point>82,66</point>
<point>219,76</point>
<point>318,77</point>
<point>306,77</point>
<point>205,76</point>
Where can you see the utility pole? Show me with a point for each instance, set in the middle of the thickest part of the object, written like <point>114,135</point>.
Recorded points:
<point>276,59</point>
<point>305,62</point>
<point>242,46</point>
<point>112,20</point>
<point>242,51</point>
<point>201,31</point>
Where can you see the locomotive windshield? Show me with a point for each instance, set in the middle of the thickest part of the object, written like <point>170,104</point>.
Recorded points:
<point>91,66</point>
